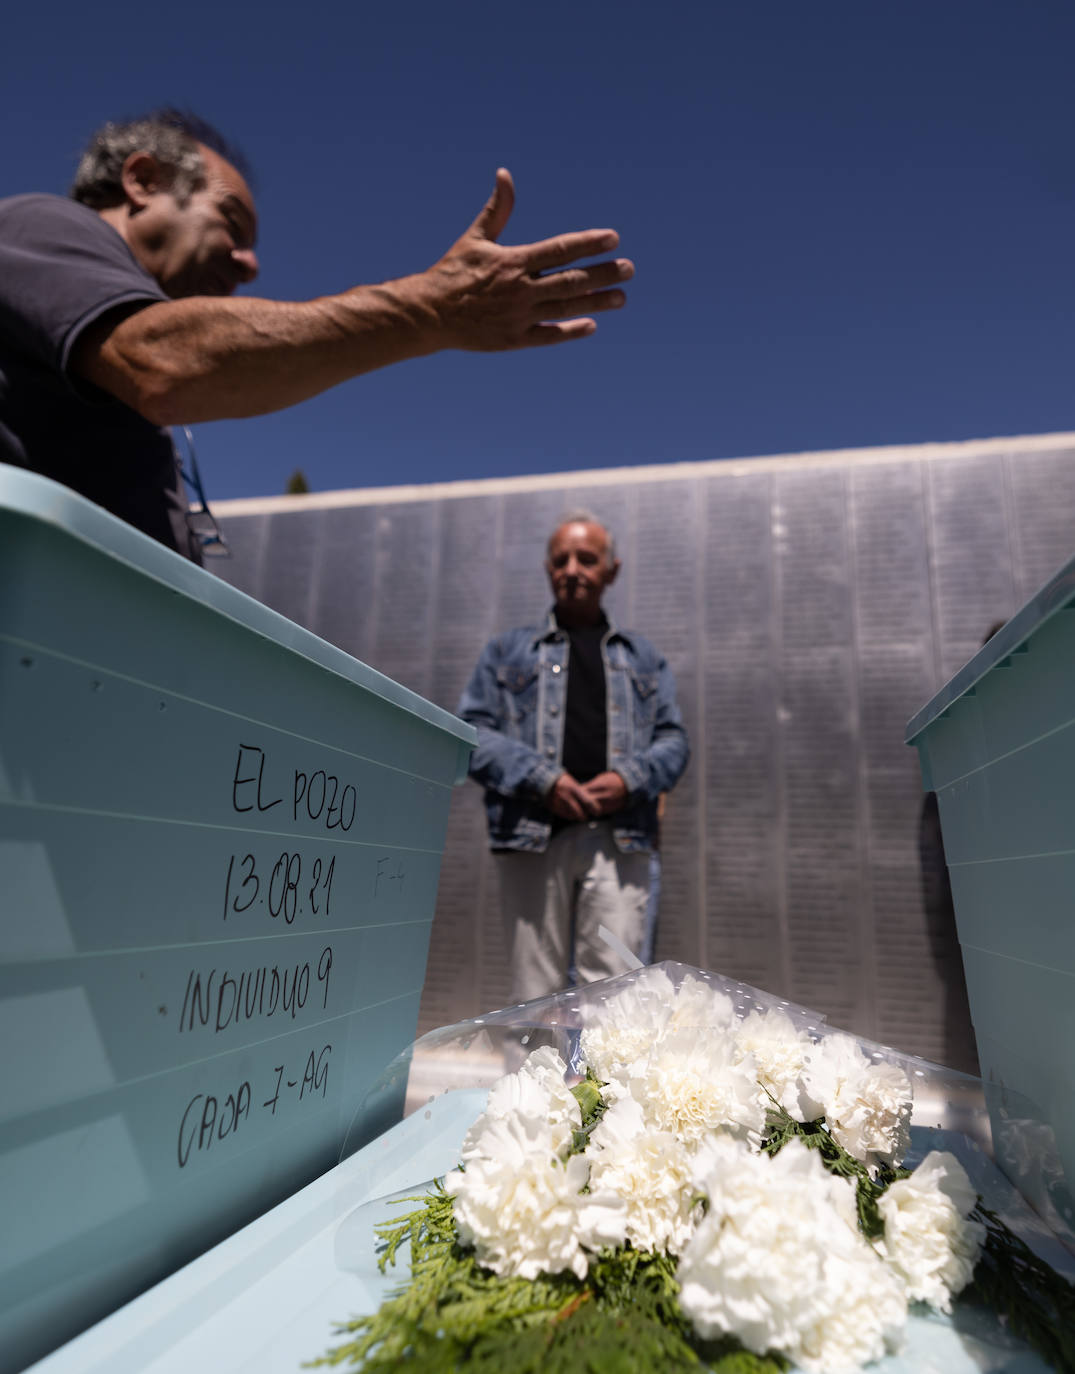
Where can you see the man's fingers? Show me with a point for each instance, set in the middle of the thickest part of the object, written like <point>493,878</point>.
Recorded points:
<point>577,795</point>
<point>568,799</point>
<point>582,797</point>
<point>565,248</point>
<point>606,792</point>
<point>569,808</point>
<point>497,209</point>
<point>582,281</point>
<point>498,297</point>
<point>596,300</point>
<point>538,335</point>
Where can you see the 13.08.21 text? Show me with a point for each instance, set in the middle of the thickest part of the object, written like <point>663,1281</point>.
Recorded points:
<point>284,893</point>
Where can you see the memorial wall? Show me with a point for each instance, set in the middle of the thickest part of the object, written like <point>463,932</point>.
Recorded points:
<point>808,605</point>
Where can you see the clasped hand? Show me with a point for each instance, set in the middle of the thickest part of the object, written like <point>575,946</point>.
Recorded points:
<point>486,295</point>
<point>584,801</point>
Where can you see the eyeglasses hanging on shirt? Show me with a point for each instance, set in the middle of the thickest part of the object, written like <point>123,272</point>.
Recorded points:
<point>200,518</point>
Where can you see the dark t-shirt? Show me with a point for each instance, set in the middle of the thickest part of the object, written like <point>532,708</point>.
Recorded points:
<point>585,752</point>
<point>61,268</point>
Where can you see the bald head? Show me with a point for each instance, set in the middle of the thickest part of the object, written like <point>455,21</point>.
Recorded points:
<point>580,563</point>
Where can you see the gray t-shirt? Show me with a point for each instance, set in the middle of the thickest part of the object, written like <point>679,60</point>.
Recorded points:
<point>61,268</point>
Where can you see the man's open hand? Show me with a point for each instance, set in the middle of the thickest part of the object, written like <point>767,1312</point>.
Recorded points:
<point>485,295</point>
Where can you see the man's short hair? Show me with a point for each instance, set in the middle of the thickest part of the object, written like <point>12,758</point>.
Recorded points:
<point>171,136</point>
<point>579,515</point>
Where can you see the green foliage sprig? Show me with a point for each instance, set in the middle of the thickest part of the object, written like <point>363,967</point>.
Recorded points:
<point>452,1314</point>
<point>592,1105</point>
<point>813,1134</point>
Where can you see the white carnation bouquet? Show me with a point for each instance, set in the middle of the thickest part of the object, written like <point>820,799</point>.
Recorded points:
<point>682,1172</point>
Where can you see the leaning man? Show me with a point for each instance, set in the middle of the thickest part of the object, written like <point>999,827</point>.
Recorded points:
<point>578,735</point>
<point>118,320</point>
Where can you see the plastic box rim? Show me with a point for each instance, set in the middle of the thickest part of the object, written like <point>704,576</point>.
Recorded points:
<point>51,503</point>
<point>1054,596</point>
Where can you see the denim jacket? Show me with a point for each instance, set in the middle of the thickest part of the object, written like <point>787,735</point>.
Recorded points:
<point>516,699</point>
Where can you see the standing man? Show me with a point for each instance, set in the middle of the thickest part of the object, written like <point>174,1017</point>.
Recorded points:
<point>578,735</point>
<point>116,317</point>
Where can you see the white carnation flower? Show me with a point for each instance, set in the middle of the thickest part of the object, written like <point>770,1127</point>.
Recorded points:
<point>692,1085</point>
<point>865,1322</point>
<point>866,1103</point>
<point>779,1053</point>
<point>536,1091</point>
<point>521,1207</point>
<point>620,1029</point>
<point>650,1170</point>
<point>700,1006</point>
<point>929,1241</point>
<point>779,1263</point>
<point>626,1026</point>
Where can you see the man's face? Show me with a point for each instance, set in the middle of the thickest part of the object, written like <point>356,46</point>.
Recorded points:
<point>579,570</point>
<point>204,247</point>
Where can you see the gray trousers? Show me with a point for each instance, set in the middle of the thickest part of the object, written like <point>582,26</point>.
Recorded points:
<point>581,882</point>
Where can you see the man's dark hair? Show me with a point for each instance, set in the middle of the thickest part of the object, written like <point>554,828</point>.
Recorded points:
<point>170,135</point>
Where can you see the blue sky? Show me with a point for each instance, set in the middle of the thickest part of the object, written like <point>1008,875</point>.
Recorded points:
<point>852,223</point>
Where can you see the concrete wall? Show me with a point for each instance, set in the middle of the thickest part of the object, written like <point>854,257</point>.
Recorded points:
<point>808,605</point>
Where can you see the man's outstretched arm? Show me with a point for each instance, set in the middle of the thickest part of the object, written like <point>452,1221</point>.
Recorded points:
<point>210,358</point>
